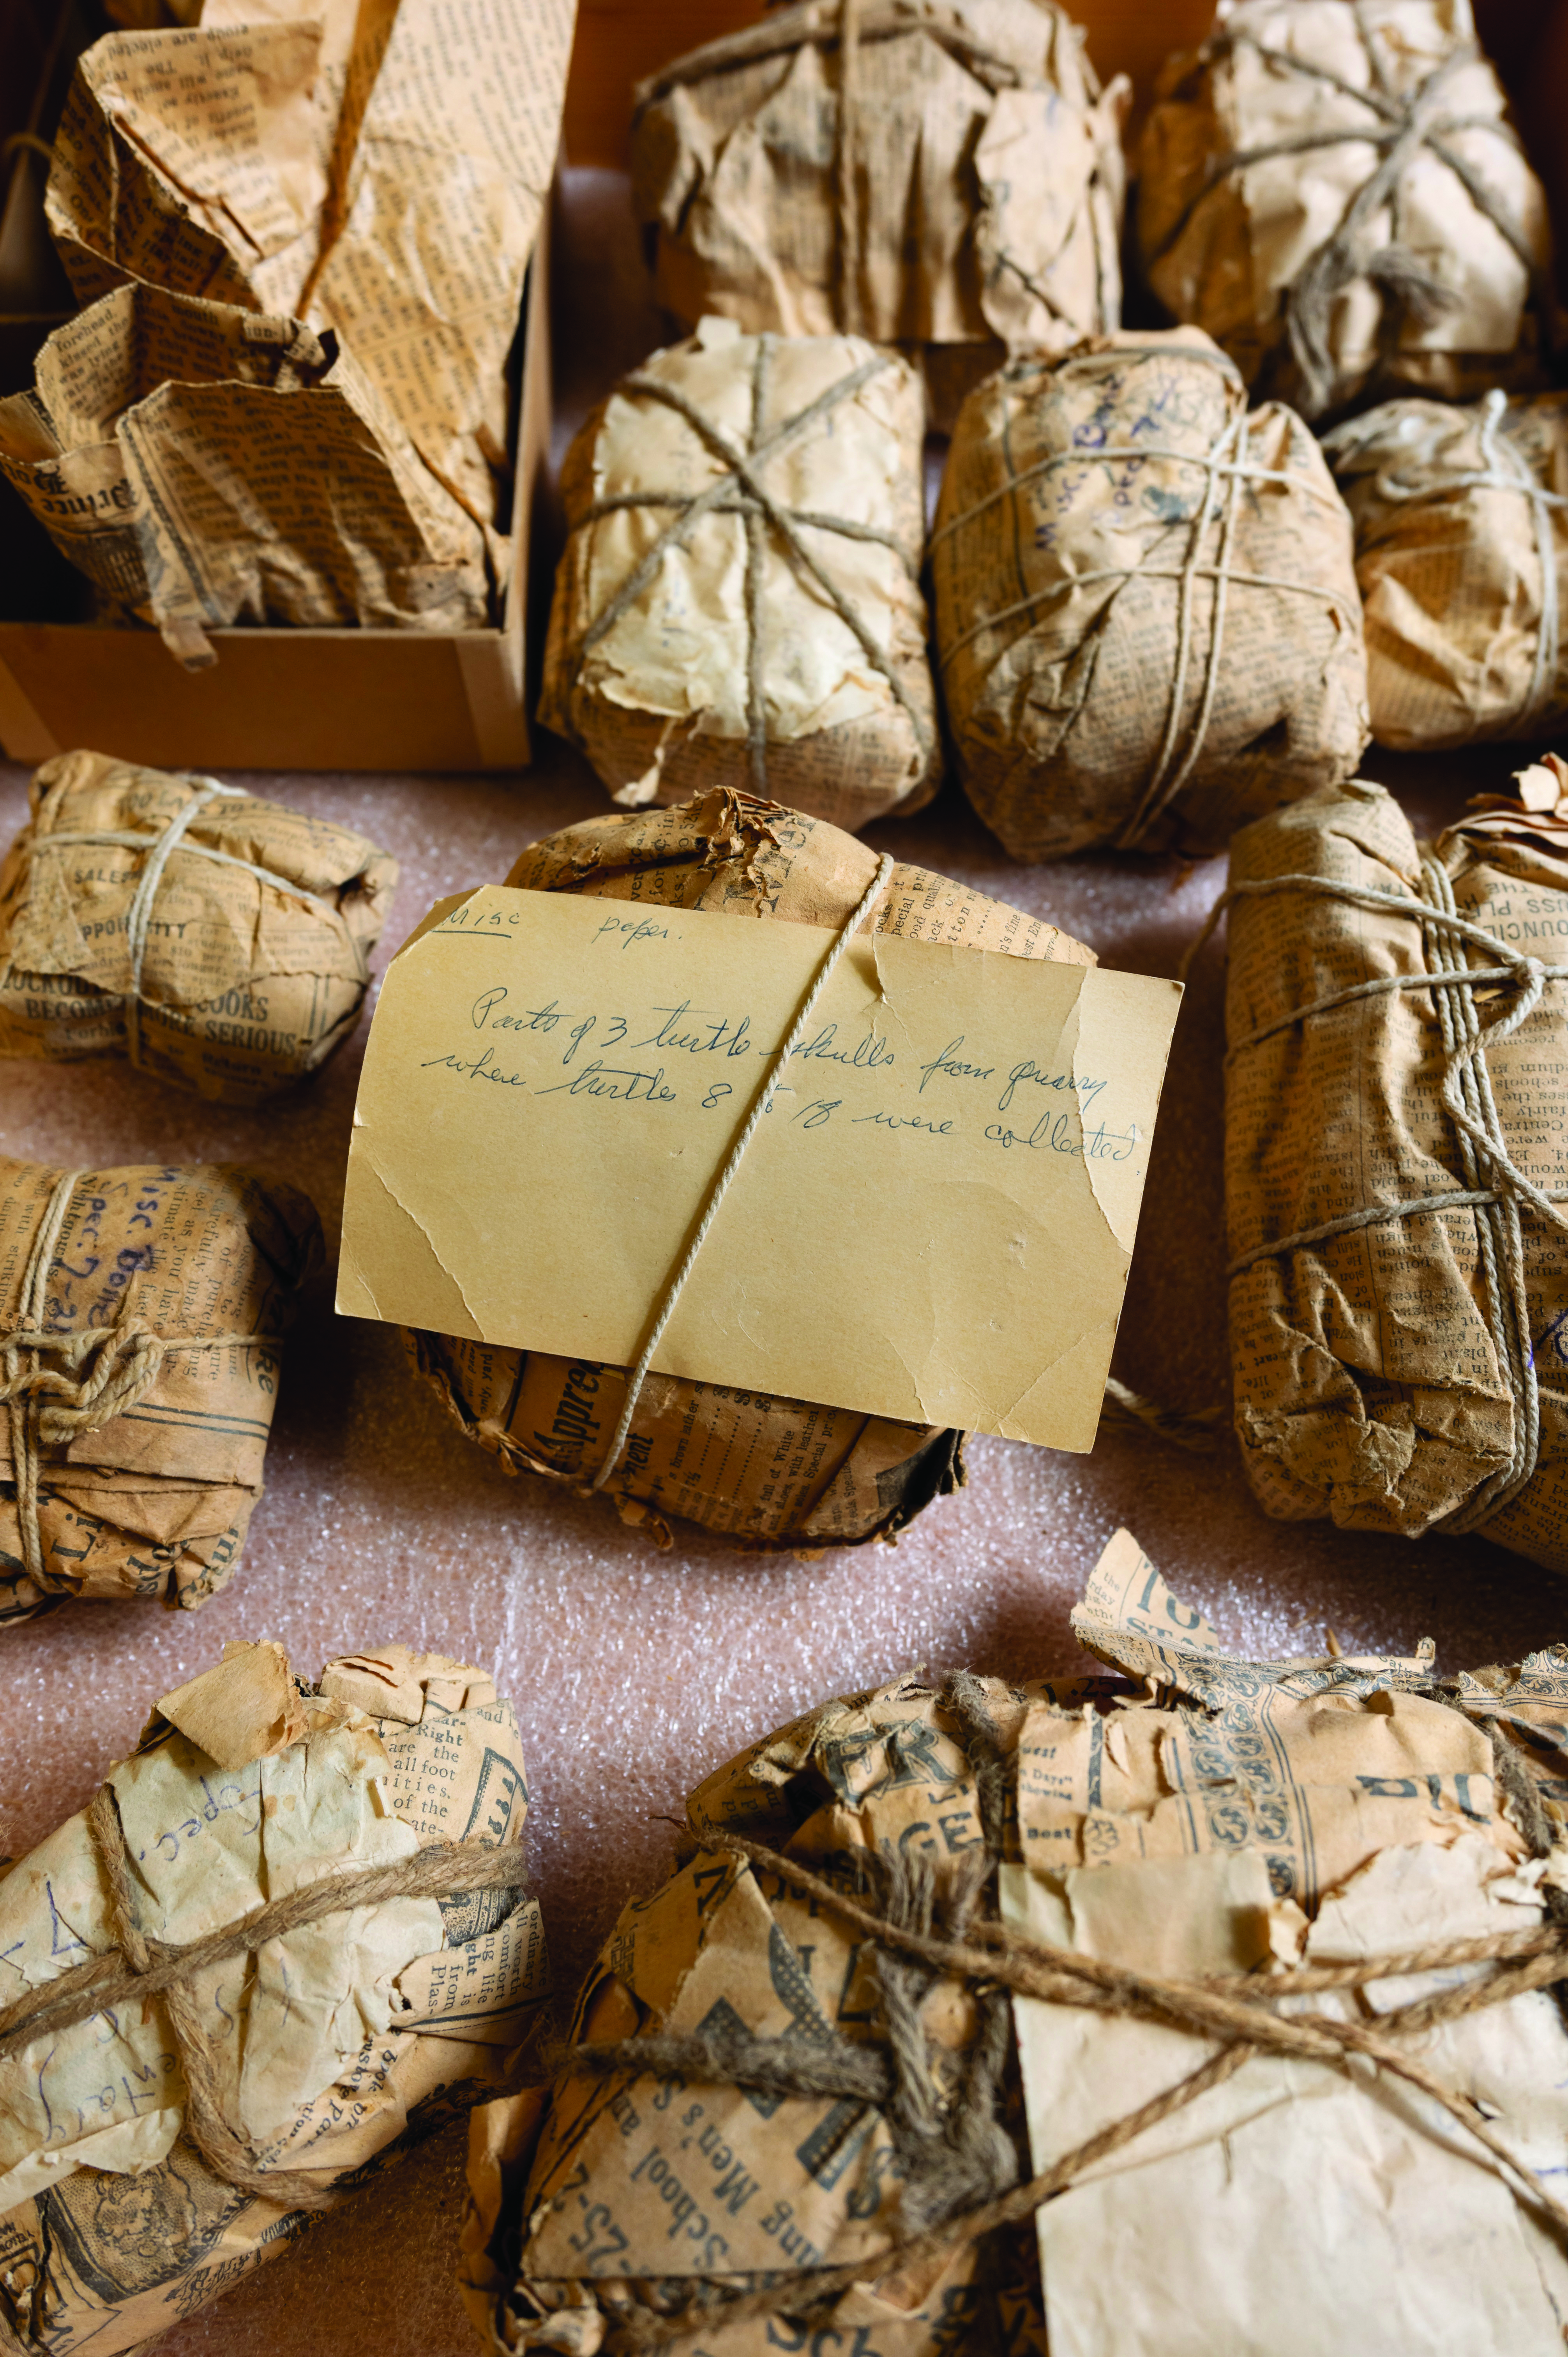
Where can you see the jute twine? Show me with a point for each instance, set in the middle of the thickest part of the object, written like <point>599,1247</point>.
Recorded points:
<point>1400,129</point>
<point>59,1387</point>
<point>138,1969</point>
<point>1493,1186</point>
<point>1234,2013</point>
<point>742,491</point>
<point>1224,469</point>
<point>1504,468</point>
<point>160,849</point>
<point>761,1099</point>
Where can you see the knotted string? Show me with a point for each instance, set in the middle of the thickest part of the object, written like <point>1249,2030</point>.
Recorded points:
<point>761,1101</point>
<point>1224,471</point>
<point>138,1969</point>
<point>1402,127</point>
<point>1237,2011</point>
<point>1496,1189</point>
<point>1504,468</point>
<point>101,1371</point>
<point>160,849</point>
<point>741,491</point>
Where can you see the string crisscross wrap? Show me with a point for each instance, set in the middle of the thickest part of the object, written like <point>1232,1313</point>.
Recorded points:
<point>139,1970</point>
<point>1494,1188</point>
<point>1401,127</point>
<point>160,849</point>
<point>1504,468</point>
<point>860,914</point>
<point>742,491</point>
<point>1224,469</point>
<point>1236,2016</point>
<point>59,1386</point>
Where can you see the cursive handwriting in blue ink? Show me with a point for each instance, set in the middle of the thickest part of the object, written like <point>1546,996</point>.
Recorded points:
<point>949,1063</point>
<point>1098,1145</point>
<point>622,1087</point>
<point>1030,1072</point>
<point>868,1055</point>
<point>1555,1341</point>
<point>633,929</point>
<point>905,1121</point>
<point>478,1069</point>
<point>819,1112</point>
<point>709,1035</point>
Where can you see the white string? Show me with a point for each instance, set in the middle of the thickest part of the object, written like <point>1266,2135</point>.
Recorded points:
<point>25,1410</point>
<point>732,1162</point>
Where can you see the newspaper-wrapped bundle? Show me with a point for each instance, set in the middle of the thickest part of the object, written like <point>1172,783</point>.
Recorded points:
<point>946,179</point>
<point>1396,1164</point>
<point>743,567</point>
<point>217,940</point>
<point>377,172</point>
<point>1147,623</point>
<point>792,2116</point>
<point>772,1472</point>
<point>285,1939</point>
<point>1332,189</point>
<point>143,1313</point>
<point>206,465</point>
<point>1460,537</point>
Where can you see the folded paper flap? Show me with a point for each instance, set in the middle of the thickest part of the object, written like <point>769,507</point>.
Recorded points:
<point>1004,1093</point>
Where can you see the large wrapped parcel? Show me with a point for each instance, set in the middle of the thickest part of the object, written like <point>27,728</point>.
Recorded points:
<point>794,2103</point>
<point>948,179</point>
<point>217,940</point>
<point>772,1472</point>
<point>1396,1164</point>
<point>1461,519</point>
<point>206,465</point>
<point>143,1313</point>
<point>1148,630</point>
<point>1333,188</point>
<point>740,591</point>
<point>321,1885</point>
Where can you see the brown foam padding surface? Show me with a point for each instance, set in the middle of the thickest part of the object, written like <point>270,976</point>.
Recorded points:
<point>635,1672</point>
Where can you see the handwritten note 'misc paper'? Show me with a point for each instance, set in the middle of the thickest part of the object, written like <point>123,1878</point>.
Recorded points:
<point>933,1220</point>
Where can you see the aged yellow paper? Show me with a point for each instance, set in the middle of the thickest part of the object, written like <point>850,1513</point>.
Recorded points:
<point>933,1220</point>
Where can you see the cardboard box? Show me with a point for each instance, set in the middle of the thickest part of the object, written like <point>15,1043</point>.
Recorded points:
<point>276,699</point>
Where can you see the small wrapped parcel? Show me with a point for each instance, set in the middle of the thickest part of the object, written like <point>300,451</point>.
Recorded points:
<point>948,179</point>
<point>1396,1164</point>
<point>774,1472</point>
<point>1148,630</point>
<point>740,589</point>
<point>143,1313</point>
<point>286,1938</point>
<point>1237,1920</point>
<point>1333,188</point>
<point>217,940</point>
<point>205,465</point>
<point>1461,521</point>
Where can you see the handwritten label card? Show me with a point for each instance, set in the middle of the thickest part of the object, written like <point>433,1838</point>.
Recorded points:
<point>933,1220</point>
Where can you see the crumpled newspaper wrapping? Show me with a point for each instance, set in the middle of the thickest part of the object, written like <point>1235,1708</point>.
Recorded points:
<point>985,171</point>
<point>1461,521</point>
<point>1125,691</point>
<point>1371,1369</point>
<point>737,622</point>
<point>336,2046</point>
<point>207,466</point>
<point>1321,293</point>
<point>379,172</point>
<point>769,1472</point>
<point>1218,1816</point>
<point>155,1501</point>
<point>246,982</point>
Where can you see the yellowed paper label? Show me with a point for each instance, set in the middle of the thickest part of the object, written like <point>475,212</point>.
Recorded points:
<point>552,1084</point>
